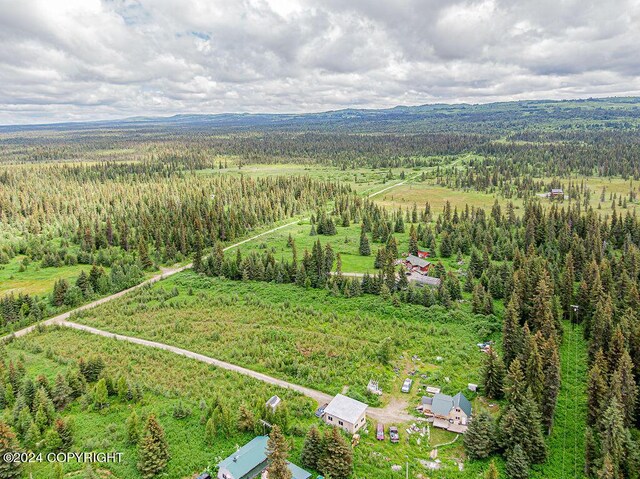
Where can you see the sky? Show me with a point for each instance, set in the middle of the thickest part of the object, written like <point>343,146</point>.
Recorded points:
<point>72,60</point>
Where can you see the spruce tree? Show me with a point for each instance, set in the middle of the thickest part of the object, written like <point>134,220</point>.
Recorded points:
<point>61,392</point>
<point>551,369</point>
<point>517,466</point>
<point>312,449</point>
<point>100,395</point>
<point>8,444</point>
<point>337,457</point>
<point>153,451</point>
<point>597,388</point>
<point>492,472</point>
<point>413,241</point>
<point>65,431</point>
<point>511,332</point>
<point>277,453</point>
<point>479,440</point>
<point>365,248</point>
<point>493,373</point>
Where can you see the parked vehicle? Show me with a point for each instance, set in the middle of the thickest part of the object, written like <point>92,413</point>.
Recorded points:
<point>393,434</point>
<point>204,475</point>
<point>380,432</point>
<point>320,410</point>
<point>406,386</point>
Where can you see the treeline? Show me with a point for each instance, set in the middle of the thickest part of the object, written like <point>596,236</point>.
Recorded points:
<point>24,309</point>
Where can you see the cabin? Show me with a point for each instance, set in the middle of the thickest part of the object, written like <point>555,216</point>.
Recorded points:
<point>450,413</point>
<point>423,254</point>
<point>556,193</point>
<point>250,461</point>
<point>346,413</point>
<point>417,265</point>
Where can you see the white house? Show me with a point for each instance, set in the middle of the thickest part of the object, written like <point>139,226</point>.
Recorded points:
<point>346,413</point>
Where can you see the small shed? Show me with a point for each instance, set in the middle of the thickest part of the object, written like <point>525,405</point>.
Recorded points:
<point>273,403</point>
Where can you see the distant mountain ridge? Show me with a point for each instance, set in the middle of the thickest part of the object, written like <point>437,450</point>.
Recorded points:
<point>620,112</point>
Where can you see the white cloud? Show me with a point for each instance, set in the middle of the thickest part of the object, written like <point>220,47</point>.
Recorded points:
<point>88,59</point>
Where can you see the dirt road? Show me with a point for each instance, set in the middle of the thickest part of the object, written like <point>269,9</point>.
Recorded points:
<point>394,412</point>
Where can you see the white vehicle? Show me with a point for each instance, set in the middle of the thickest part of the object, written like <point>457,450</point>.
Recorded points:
<point>406,386</point>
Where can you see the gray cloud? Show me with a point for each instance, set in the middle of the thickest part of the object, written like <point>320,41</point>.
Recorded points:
<point>87,59</point>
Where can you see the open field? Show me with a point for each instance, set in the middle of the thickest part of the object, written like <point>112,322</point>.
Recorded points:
<point>35,280</point>
<point>437,196</point>
<point>313,339</point>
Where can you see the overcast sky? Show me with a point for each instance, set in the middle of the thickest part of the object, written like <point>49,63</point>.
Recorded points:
<point>88,59</point>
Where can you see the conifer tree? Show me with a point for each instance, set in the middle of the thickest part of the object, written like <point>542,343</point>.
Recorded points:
<point>493,373</point>
<point>365,248</point>
<point>197,253</point>
<point>312,449</point>
<point>492,471</point>
<point>8,444</point>
<point>534,373</point>
<point>100,394</point>
<point>551,369</point>
<point>517,466</point>
<point>153,452</point>
<point>511,332</point>
<point>413,241</point>
<point>277,453</point>
<point>337,457</point>
<point>480,440</point>
<point>597,388</point>
<point>61,392</point>
<point>143,254</point>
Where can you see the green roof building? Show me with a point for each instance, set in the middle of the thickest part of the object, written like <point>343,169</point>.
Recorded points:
<point>250,461</point>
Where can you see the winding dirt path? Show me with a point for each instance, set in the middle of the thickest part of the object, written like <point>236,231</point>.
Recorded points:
<point>394,412</point>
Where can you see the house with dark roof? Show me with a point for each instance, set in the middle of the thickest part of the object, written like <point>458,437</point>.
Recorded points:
<point>450,413</point>
<point>416,264</point>
<point>250,461</point>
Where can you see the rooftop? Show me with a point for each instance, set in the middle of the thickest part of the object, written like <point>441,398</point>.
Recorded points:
<point>251,456</point>
<point>415,261</point>
<point>443,403</point>
<point>345,408</point>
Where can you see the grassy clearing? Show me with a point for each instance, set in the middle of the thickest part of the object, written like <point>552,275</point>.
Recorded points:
<point>305,336</point>
<point>419,193</point>
<point>166,378</point>
<point>35,280</point>
<point>566,443</point>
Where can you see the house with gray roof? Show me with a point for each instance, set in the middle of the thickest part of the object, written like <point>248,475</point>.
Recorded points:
<point>450,413</point>
<point>414,263</point>
<point>250,461</point>
<point>346,413</point>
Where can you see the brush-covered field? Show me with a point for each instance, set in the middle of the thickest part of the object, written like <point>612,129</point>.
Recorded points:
<point>168,380</point>
<point>305,336</point>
